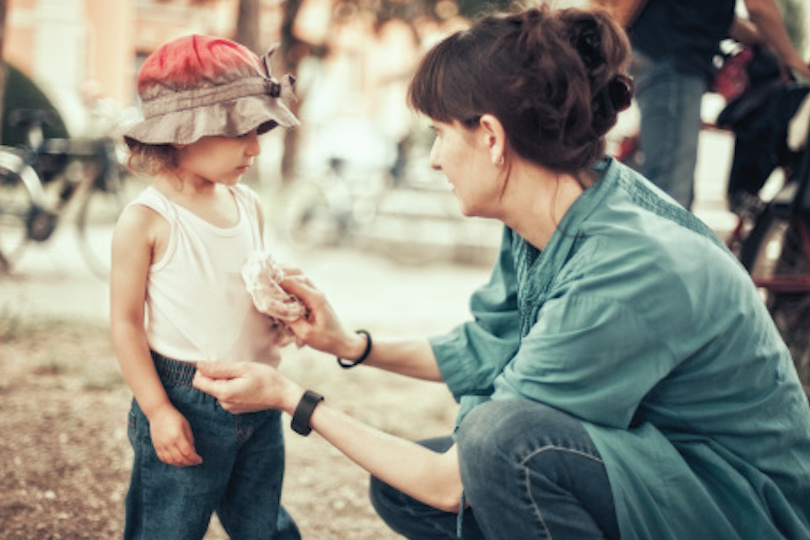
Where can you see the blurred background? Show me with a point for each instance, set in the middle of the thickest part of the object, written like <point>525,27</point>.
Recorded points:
<point>355,173</point>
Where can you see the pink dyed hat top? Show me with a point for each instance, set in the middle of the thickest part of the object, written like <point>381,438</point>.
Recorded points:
<point>197,86</point>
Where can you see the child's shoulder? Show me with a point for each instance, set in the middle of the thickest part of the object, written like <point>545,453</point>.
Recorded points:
<point>146,209</point>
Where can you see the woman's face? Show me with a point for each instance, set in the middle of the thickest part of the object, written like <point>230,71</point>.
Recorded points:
<point>461,154</point>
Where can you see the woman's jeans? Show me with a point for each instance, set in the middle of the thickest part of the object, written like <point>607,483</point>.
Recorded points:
<point>669,101</point>
<point>529,472</point>
<point>240,477</point>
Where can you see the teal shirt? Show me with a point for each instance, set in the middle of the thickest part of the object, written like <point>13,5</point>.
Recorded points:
<point>637,320</point>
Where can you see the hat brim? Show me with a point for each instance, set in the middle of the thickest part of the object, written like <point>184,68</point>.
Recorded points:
<point>229,119</point>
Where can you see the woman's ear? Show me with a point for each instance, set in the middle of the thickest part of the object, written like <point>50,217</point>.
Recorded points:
<point>494,138</point>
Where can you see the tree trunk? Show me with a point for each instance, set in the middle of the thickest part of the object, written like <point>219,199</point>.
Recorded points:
<point>290,52</point>
<point>247,26</point>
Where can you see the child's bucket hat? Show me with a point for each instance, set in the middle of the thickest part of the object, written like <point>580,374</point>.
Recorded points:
<point>197,86</point>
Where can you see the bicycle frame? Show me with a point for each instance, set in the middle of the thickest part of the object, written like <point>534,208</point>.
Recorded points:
<point>792,200</point>
<point>12,161</point>
<point>55,174</point>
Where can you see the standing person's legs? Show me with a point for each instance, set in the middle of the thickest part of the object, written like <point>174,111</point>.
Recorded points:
<point>251,507</point>
<point>669,102</point>
<point>532,472</point>
<point>168,502</point>
<point>415,520</point>
<point>240,476</point>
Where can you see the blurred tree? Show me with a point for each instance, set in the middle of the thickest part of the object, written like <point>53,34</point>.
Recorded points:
<point>21,92</point>
<point>291,52</point>
<point>247,26</point>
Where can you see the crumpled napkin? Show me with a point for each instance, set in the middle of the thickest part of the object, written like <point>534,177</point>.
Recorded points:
<point>262,275</point>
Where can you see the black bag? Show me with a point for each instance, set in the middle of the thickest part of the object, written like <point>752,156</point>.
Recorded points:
<point>759,118</point>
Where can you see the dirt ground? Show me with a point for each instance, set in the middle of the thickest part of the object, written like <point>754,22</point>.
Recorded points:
<point>65,458</point>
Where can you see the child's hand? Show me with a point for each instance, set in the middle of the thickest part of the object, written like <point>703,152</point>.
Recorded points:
<point>172,438</point>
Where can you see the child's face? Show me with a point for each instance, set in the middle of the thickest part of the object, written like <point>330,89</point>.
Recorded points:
<point>222,160</point>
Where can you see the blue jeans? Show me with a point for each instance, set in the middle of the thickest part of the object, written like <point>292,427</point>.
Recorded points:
<point>669,102</point>
<point>529,471</point>
<point>240,477</point>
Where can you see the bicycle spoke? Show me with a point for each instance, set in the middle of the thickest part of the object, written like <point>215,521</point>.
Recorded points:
<point>96,218</point>
<point>15,215</point>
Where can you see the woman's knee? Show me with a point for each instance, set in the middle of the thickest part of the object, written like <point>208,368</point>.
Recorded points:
<point>504,433</point>
<point>484,441</point>
<point>384,498</point>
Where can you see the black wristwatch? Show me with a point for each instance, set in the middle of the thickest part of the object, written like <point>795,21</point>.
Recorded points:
<point>303,412</point>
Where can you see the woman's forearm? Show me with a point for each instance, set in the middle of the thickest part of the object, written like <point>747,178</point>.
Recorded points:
<point>413,358</point>
<point>423,474</point>
<point>430,477</point>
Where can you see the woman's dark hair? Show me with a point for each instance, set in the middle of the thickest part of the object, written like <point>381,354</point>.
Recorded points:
<point>552,77</point>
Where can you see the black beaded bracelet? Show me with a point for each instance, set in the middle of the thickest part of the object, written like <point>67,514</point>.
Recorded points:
<point>303,412</point>
<point>345,364</point>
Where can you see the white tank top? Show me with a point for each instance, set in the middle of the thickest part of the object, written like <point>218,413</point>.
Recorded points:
<point>197,307</point>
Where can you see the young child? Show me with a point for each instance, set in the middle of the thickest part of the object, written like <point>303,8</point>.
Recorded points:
<point>177,295</point>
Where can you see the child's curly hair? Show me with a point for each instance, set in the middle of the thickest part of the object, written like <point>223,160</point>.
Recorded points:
<point>152,159</point>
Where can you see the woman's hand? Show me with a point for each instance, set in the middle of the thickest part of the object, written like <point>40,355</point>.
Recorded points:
<point>172,438</point>
<point>321,329</point>
<point>247,387</point>
<point>421,473</point>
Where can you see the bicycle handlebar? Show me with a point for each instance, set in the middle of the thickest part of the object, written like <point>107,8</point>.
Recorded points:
<point>28,118</point>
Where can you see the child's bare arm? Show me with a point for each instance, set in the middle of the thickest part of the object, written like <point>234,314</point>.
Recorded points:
<point>136,236</point>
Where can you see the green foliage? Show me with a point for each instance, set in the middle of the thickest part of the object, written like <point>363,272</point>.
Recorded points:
<point>23,93</point>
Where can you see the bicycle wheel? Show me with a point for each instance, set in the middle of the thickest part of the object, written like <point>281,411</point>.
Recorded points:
<point>777,254</point>
<point>21,200</point>
<point>99,208</point>
<point>310,219</point>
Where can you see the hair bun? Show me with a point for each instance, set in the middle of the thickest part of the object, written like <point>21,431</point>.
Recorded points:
<point>620,91</point>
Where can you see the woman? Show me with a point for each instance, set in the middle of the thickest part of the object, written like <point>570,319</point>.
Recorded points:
<point>620,377</point>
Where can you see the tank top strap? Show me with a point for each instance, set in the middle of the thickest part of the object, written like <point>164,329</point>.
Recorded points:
<point>154,199</point>
<point>248,200</point>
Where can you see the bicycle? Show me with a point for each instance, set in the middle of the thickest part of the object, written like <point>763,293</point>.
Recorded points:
<point>776,252</point>
<point>383,197</point>
<point>46,179</point>
<point>771,237</point>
